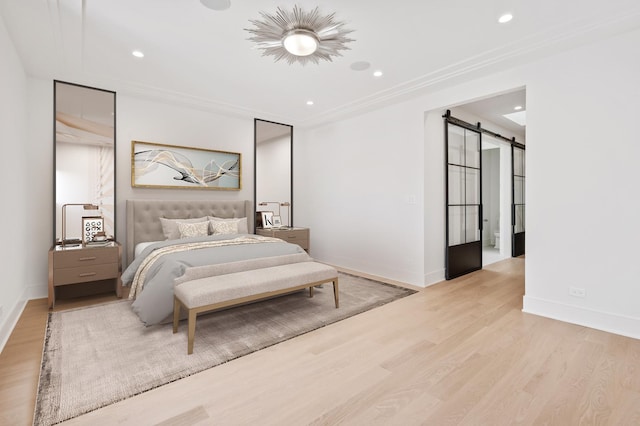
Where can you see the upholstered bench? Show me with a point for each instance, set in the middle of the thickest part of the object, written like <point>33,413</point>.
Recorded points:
<point>210,293</point>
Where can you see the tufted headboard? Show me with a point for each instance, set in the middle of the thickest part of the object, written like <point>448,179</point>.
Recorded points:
<point>143,222</point>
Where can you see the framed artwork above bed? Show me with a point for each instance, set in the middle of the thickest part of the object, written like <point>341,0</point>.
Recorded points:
<point>170,166</point>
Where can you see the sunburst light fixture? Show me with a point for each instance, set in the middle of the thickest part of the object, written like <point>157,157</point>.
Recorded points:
<point>298,36</point>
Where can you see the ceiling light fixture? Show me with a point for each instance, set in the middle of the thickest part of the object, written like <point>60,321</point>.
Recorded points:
<point>216,4</point>
<point>377,73</point>
<point>298,36</point>
<point>505,18</point>
<point>309,103</point>
<point>137,54</point>
<point>518,107</point>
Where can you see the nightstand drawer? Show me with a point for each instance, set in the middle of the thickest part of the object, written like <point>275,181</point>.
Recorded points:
<point>85,274</point>
<point>290,234</point>
<point>299,236</point>
<point>295,239</point>
<point>83,258</point>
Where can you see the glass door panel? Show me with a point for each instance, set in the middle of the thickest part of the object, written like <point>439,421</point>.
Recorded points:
<point>472,221</point>
<point>472,149</point>
<point>472,186</point>
<point>456,225</point>
<point>455,149</point>
<point>456,185</point>
<point>519,226</point>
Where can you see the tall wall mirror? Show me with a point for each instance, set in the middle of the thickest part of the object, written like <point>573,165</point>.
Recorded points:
<point>274,170</point>
<point>84,161</point>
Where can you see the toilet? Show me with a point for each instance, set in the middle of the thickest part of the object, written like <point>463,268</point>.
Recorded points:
<point>497,244</point>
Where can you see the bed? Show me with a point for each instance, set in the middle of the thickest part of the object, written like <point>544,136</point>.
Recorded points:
<point>157,264</point>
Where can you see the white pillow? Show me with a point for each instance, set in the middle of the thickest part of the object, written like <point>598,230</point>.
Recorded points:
<point>170,226</point>
<point>197,229</point>
<point>223,227</point>
<point>243,227</point>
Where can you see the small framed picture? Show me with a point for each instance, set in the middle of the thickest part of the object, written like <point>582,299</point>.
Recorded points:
<point>91,225</point>
<point>277,221</point>
<point>266,219</point>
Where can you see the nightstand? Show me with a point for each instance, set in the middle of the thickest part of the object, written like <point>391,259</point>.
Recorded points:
<point>84,264</point>
<point>299,236</point>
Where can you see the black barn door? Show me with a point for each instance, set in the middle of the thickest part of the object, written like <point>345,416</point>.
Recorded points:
<point>517,208</point>
<point>463,200</point>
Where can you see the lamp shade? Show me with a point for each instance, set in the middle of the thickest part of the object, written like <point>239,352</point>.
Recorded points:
<point>300,42</point>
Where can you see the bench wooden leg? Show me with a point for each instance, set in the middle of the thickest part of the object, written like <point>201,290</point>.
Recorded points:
<point>335,292</point>
<point>176,314</point>
<point>192,331</point>
<point>311,291</point>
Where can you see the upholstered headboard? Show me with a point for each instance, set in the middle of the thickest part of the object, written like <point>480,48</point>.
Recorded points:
<point>143,216</point>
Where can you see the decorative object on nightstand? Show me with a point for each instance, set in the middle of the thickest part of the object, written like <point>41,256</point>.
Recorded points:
<point>287,205</point>
<point>299,236</point>
<point>91,226</point>
<point>84,264</point>
<point>86,206</point>
<point>266,203</point>
<point>279,204</point>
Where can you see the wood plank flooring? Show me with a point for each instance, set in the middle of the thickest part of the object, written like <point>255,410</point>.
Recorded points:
<point>457,353</point>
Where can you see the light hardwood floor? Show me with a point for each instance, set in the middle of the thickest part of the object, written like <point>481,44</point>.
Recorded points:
<point>459,352</point>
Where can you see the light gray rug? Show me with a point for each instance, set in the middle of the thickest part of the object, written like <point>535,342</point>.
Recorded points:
<point>98,355</point>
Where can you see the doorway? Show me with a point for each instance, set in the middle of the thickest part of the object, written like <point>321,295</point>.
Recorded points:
<point>500,207</point>
<point>496,200</point>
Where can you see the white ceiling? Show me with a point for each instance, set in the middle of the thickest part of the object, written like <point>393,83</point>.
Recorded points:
<point>199,57</point>
<point>494,108</point>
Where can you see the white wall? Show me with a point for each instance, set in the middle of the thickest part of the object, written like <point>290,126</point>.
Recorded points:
<point>18,166</point>
<point>583,203</point>
<point>358,186</point>
<point>147,121</point>
<point>353,178</point>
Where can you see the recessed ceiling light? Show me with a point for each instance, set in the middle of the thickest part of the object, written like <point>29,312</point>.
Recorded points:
<point>505,18</point>
<point>377,73</point>
<point>137,54</point>
<point>309,103</point>
<point>216,4</point>
<point>360,65</point>
<point>518,108</point>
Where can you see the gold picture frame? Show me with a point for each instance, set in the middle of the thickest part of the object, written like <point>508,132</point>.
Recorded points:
<point>156,165</point>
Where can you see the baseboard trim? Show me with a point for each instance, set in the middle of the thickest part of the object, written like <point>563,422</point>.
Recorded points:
<point>10,322</point>
<point>433,277</point>
<point>599,320</point>
<point>7,326</point>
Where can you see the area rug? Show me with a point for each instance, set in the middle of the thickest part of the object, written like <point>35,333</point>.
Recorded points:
<point>98,355</point>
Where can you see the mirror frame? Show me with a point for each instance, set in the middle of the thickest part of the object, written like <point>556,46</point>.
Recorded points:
<point>55,159</point>
<point>255,166</point>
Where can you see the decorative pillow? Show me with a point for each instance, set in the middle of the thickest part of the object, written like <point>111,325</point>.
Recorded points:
<point>197,229</point>
<point>223,227</point>
<point>170,226</point>
<point>243,227</point>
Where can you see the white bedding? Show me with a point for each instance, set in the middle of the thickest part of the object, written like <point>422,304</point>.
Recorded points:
<point>140,248</point>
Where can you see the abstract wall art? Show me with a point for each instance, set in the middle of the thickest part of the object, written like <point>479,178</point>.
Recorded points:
<point>169,166</point>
